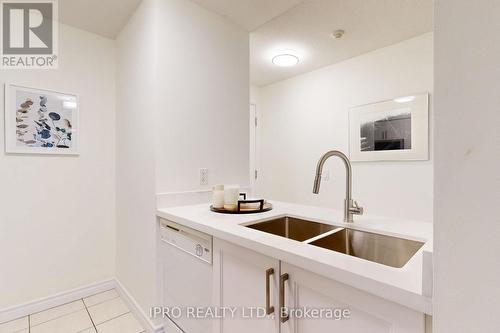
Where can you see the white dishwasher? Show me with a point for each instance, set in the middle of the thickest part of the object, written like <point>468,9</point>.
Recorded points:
<point>186,275</point>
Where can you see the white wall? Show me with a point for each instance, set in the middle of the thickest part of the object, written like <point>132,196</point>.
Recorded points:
<point>182,105</point>
<point>203,87</point>
<point>254,94</point>
<point>57,213</point>
<point>467,166</point>
<point>305,116</point>
<point>135,157</point>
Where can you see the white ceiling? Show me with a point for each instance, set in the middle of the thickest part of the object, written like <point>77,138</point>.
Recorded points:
<point>102,17</point>
<point>307,28</point>
<point>304,26</point>
<point>249,14</point>
<point>108,17</point>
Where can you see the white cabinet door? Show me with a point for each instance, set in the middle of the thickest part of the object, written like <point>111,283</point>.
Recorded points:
<point>368,313</point>
<point>240,276</point>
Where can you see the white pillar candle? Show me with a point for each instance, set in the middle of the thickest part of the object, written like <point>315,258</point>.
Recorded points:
<point>218,196</point>
<point>231,196</point>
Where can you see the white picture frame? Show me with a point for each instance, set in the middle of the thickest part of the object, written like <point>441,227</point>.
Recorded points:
<point>40,121</point>
<point>392,130</point>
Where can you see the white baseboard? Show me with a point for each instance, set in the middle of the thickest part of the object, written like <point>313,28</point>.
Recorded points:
<point>79,293</point>
<point>134,307</point>
<point>55,300</point>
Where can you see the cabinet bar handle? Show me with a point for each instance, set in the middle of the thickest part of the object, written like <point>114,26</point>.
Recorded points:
<point>269,307</point>
<point>283,313</point>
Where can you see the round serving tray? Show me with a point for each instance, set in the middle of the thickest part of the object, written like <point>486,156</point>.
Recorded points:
<point>263,207</point>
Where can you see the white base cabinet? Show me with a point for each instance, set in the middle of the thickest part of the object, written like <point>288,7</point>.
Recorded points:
<point>345,309</point>
<point>240,284</point>
<point>248,289</point>
<point>315,304</point>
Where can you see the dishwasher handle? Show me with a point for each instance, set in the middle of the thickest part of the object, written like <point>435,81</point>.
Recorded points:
<point>193,242</point>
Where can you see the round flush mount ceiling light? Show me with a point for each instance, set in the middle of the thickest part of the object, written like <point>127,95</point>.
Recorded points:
<point>405,99</point>
<point>337,34</point>
<point>285,60</point>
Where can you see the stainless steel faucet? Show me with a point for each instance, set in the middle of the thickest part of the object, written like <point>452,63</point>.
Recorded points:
<point>350,206</point>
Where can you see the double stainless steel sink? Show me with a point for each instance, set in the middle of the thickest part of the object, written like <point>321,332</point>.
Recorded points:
<point>382,249</point>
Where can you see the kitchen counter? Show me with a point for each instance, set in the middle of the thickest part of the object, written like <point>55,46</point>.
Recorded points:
<point>400,285</point>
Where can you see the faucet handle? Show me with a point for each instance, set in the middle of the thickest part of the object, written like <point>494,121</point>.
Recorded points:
<point>356,209</point>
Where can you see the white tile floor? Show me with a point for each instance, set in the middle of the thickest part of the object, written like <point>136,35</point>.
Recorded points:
<point>102,313</point>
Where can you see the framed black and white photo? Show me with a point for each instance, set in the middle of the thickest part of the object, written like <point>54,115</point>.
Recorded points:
<point>39,121</point>
<point>392,130</point>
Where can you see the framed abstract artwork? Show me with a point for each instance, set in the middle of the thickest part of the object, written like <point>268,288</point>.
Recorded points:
<point>394,130</point>
<point>40,121</point>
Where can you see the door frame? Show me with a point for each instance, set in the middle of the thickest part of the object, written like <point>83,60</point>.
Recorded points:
<point>255,172</point>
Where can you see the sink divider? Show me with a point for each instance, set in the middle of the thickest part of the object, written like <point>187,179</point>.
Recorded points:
<point>325,234</point>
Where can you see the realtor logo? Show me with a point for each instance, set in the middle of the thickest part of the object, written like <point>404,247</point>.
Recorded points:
<point>29,34</point>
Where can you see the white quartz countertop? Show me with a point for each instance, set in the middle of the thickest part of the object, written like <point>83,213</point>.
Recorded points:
<point>400,285</point>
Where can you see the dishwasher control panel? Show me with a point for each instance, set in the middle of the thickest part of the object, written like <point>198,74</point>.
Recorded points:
<point>191,241</point>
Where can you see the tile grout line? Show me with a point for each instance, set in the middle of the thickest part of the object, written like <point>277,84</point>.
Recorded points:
<point>110,319</point>
<point>58,317</point>
<point>67,314</point>
<point>22,329</point>
<point>86,309</point>
<point>91,320</point>
<point>101,301</point>
<point>56,306</point>
<point>108,300</point>
<point>72,312</point>
<point>123,314</point>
